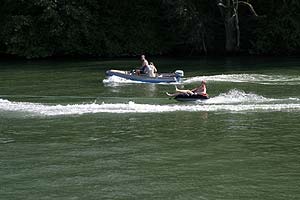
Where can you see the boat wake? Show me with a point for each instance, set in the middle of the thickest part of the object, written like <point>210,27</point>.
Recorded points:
<point>118,80</point>
<point>232,101</point>
<point>248,78</point>
<point>235,78</point>
<point>235,96</point>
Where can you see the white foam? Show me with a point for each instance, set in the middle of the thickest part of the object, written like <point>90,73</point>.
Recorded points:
<point>239,102</point>
<point>238,96</point>
<point>248,78</point>
<point>116,80</point>
<point>235,78</point>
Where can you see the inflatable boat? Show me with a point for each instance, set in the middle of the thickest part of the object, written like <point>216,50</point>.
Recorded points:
<point>159,78</point>
<point>188,97</point>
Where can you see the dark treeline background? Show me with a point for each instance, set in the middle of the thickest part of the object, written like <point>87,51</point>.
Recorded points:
<point>105,28</point>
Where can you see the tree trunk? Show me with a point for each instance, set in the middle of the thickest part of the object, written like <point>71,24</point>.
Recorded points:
<point>232,32</point>
<point>231,35</point>
<point>229,10</point>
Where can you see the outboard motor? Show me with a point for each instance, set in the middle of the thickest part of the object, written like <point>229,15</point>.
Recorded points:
<point>179,73</point>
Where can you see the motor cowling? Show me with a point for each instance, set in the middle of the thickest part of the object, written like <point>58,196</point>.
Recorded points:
<point>179,73</point>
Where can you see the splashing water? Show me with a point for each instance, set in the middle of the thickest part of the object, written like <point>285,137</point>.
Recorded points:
<point>249,78</point>
<point>118,81</point>
<point>236,78</point>
<point>237,96</point>
<point>232,101</point>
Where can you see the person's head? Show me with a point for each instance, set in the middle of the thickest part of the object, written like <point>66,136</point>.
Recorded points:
<point>203,82</point>
<point>142,57</point>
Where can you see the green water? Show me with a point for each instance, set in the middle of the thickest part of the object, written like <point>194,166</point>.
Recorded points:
<point>66,134</point>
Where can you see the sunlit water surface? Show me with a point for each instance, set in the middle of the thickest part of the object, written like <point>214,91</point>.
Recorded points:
<point>69,132</point>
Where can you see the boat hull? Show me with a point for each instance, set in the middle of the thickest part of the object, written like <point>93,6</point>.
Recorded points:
<point>161,78</point>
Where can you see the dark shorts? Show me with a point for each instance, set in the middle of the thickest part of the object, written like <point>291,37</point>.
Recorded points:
<point>142,69</point>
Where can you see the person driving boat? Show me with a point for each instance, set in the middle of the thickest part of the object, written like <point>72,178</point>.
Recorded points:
<point>144,65</point>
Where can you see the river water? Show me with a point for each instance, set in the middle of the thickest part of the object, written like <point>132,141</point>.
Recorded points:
<point>68,132</point>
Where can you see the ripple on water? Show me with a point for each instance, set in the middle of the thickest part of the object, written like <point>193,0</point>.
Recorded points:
<point>6,140</point>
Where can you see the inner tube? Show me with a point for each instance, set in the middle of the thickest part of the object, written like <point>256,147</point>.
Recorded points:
<point>190,97</point>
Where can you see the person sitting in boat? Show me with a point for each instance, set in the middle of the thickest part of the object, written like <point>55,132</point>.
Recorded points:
<point>201,90</point>
<point>145,64</point>
<point>151,70</point>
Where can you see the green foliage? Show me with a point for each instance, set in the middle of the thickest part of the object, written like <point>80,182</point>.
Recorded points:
<point>44,28</point>
<point>189,24</point>
<point>279,32</point>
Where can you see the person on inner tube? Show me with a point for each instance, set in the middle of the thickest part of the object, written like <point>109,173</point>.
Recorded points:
<point>201,90</point>
<point>144,66</point>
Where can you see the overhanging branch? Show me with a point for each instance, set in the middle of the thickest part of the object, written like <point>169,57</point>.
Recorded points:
<point>249,6</point>
<point>221,5</point>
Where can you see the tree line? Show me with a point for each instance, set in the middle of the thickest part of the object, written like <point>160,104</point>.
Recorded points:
<point>114,28</point>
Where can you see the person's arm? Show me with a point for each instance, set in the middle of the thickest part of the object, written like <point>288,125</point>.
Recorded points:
<point>154,69</point>
<point>145,63</point>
